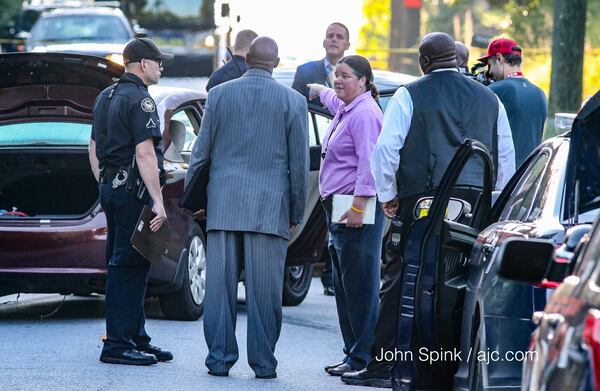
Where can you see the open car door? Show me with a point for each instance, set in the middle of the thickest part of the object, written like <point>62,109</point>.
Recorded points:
<point>434,279</point>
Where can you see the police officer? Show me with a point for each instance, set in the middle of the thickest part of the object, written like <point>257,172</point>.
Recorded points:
<point>125,146</point>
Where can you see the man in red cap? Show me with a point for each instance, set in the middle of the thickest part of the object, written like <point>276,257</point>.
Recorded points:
<point>525,103</point>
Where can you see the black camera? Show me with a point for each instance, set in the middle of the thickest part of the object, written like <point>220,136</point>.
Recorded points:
<point>481,74</point>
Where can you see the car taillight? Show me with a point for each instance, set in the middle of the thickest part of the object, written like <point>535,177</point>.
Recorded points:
<point>591,337</point>
<point>548,284</point>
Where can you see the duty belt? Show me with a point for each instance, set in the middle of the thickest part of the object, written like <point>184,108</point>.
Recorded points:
<point>116,175</point>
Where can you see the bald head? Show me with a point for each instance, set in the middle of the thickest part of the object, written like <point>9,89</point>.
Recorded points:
<point>462,55</point>
<point>437,51</point>
<point>263,54</point>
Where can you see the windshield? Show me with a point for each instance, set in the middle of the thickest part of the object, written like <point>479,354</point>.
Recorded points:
<point>45,133</point>
<point>80,28</point>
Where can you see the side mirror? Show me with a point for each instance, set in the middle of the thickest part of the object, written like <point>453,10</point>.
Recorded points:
<point>525,260</point>
<point>455,210</point>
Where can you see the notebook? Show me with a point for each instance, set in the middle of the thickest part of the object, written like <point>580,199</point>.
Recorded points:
<point>151,245</point>
<point>343,202</point>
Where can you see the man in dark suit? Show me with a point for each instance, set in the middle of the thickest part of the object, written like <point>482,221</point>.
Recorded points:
<point>236,66</point>
<point>336,42</point>
<point>254,141</point>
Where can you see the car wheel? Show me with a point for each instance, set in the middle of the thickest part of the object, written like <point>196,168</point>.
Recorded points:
<point>296,283</point>
<point>187,304</point>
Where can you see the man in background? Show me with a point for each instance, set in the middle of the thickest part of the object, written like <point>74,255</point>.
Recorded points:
<point>462,57</point>
<point>236,66</point>
<point>525,103</point>
<point>336,42</point>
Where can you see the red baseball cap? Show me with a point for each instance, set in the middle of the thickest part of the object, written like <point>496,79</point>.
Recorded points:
<point>501,46</point>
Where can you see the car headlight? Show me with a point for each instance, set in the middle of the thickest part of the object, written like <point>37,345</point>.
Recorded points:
<point>118,58</point>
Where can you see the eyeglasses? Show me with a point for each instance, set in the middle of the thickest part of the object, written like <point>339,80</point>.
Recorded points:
<point>156,60</point>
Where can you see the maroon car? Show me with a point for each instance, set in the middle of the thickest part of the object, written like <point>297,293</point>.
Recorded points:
<point>52,228</point>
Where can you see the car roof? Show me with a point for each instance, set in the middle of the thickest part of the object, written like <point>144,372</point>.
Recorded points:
<point>83,11</point>
<point>384,80</point>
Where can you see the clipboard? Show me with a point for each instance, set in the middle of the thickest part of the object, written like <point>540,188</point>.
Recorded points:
<point>343,202</point>
<point>150,245</point>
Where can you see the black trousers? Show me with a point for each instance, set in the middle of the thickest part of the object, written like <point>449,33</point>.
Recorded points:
<point>384,339</point>
<point>127,274</point>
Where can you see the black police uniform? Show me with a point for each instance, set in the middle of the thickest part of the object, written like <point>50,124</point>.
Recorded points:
<point>124,116</point>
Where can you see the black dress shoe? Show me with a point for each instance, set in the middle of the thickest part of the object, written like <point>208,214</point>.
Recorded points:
<point>129,357</point>
<point>328,367</point>
<point>219,374</point>
<point>372,378</point>
<point>269,376</point>
<point>340,369</point>
<point>328,291</point>
<point>161,355</point>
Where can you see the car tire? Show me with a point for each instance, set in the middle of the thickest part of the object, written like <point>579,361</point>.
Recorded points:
<point>187,303</point>
<point>296,283</point>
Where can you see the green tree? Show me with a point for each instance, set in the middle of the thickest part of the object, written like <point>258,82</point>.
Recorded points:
<point>9,9</point>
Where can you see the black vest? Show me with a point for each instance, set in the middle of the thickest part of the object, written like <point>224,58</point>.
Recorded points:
<point>447,108</point>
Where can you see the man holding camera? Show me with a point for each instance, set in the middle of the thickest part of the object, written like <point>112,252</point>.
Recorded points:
<point>125,147</point>
<point>525,104</point>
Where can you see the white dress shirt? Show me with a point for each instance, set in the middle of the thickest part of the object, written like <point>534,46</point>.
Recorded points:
<point>396,123</point>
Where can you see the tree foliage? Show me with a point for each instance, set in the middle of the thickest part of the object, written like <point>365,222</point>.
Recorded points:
<point>9,9</point>
<point>375,33</point>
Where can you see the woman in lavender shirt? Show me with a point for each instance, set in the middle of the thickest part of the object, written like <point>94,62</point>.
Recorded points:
<point>345,169</point>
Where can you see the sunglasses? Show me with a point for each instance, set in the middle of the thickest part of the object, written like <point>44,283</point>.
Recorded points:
<point>156,60</point>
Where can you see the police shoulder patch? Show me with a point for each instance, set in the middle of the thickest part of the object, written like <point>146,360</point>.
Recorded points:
<point>148,105</point>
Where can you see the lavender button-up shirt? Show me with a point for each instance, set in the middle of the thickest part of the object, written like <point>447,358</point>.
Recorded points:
<point>348,145</point>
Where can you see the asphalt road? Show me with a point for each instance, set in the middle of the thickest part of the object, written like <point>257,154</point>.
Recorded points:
<point>45,348</point>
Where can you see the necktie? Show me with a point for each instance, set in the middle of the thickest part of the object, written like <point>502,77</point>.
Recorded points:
<point>330,75</point>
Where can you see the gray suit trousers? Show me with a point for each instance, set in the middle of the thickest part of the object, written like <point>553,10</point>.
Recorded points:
<point>263,258</point>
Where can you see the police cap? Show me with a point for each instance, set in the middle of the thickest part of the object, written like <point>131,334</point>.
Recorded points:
<point>141,48</point>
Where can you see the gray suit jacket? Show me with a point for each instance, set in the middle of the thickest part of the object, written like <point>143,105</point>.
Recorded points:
<point>254,138</point>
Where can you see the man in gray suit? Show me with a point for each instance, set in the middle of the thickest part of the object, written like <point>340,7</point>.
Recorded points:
<point>254,139</point>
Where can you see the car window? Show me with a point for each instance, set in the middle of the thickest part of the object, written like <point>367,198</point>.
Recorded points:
<point>187,117</point>
<point>522,198</point>
<point>26,19</point>
<point>45,133</point>
<point>322,124</point>
<point>383,101</point>
<point>80,27</point>
<point>312,130</point>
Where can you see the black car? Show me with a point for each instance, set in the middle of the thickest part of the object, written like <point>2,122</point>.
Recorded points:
<point>460,305</point>
<point>564,352</point>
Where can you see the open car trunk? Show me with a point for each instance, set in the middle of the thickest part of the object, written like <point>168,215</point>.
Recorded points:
<point>44,183</point>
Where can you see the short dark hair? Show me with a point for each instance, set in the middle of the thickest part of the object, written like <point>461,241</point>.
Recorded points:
<point>244,39</point>
<point>361,67</point>
<point>342,26</point>
<point>514,59</point>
